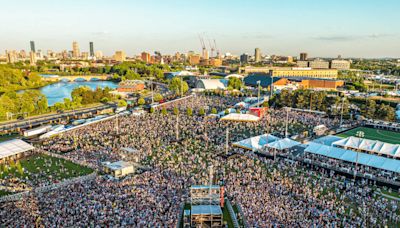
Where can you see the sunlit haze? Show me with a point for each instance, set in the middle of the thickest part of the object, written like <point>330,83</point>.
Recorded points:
<point>358,28</point>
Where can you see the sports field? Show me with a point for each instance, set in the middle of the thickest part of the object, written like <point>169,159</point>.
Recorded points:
<point>374,134</point>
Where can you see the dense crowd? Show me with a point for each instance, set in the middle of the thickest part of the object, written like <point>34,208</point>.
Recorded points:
<point>179,150</point>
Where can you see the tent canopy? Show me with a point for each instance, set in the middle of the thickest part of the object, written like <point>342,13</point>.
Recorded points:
<point>369,145</point>
<point>256,142</point>
<point>371,160</point>
<point>241,117</point>
<point>282,144</point>
<point>13,147</point>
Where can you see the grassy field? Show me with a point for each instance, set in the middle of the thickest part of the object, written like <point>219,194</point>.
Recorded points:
<point>41,168</point>
<point>374,134</point>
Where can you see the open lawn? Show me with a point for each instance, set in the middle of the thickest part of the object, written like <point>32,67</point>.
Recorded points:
<point>41,168</point>
<point>374,134</point>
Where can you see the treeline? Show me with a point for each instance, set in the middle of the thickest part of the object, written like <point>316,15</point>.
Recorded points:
<point>372,110</point>
<point>331,104</point>
<point>83,96</point>
<point>30,102</point>
<point>15,79</point>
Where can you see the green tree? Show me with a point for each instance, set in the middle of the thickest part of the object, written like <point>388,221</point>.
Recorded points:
<point>122,103</point>
<point>178,86</point>
<point>202,112</point>
<point>226,111</point>
<point>152,110</point>
<point>158,97</point>
<point>235,83</point>
<point>164,111</point>
<point>176,111</point>
<point>189,111</point>
<point>141,101</point>
<point>214,111</point>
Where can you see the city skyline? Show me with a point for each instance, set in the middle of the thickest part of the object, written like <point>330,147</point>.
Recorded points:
<point>355,29</point>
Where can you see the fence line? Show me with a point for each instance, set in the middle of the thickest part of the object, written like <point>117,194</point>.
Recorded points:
<point>82,163</point>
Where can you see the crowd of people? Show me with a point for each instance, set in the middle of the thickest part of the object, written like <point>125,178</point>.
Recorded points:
<point>178,149</point>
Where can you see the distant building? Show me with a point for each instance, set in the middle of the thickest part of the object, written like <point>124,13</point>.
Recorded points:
<point>194,59</point>
<point>85,55</point>
<point>120,56</point>
<point>75,50</point>
<point>99,55</point>
<point>33,49</point>
<point>11,56</point>
<point>321,84</point>
<point>145,57</point>
<point>215,62</point>
<point>257,55</point>
<point>205,54</point>
<point>130,86</point>
<point>340,64</point>
<point>32,58</point>
<point>91,49</point>
<point>291,72</point>
<point>303,56</point>
<point>319,64</point>
<point>302,64</point>
<point>244,58</point>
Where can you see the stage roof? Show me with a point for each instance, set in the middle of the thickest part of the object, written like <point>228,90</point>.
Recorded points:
<point>371,160</point>
<point>257,142</point>
<point>119,165</point>
<point>206,210</point>
<point>13,147</point>
<point>282,144</point>
<point>327,140</point>
<point>369,145</point>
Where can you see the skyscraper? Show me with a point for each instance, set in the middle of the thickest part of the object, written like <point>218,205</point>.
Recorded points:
<point>303,56</point>
<point>120,56</point>
<point>33,46</point>
<point>257,55</point>
<point>244,58</point>
<point>91,49</point>
<point>75,50</point>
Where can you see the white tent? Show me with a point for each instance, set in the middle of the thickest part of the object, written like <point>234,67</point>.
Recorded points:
<point>241,117</point>
<point>369,145</point>
<point>256,143</point>
<point>282,144</point>
<point>371,160</point>
<point>14,147</point>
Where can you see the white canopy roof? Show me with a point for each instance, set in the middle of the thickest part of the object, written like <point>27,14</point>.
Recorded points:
<point>282,144</point>
<point>256,143</point>
<point>369,145</point>
<point>13,147</point>
<point>240,117</point>
<point>375,161</point>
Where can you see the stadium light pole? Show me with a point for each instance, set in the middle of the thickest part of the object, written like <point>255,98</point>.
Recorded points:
<point>359,134</point>
<point>341,113</point>
<point>286,124</point>
<point>258,96</point>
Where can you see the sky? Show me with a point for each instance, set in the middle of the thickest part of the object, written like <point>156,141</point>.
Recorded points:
<point>351,28</point>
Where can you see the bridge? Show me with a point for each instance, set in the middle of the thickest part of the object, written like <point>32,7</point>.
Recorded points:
<point>71,78</point>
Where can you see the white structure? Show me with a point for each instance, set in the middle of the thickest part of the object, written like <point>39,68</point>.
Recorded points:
<point>119,168</point>
<point>370,146</point>
<point>13,149</point>
<point>210,84</point>
<point>234,76</point>
<point>241,117</point>
<point>256,143</point>
<point>282,144</point>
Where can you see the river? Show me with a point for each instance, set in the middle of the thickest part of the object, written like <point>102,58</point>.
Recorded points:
<point>58,91</point>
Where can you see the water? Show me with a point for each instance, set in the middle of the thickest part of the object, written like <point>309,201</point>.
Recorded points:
<point>58,91</point>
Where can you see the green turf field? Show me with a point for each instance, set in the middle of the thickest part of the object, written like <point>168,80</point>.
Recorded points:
<point>4,193</point>
<point>42,167</point>
<point>374,134</point>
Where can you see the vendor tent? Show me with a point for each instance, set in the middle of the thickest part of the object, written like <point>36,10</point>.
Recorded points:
<point>256,143</point>
<point>14,147</point>
<point>282,144</point>
<point>368,145</point>
<point>371,160</point>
